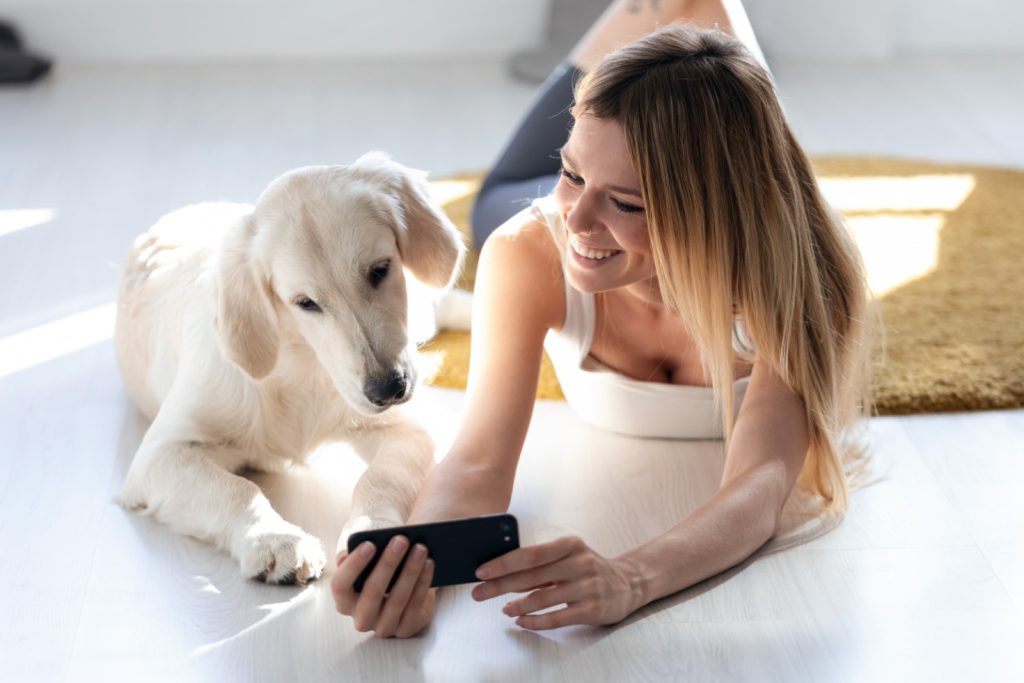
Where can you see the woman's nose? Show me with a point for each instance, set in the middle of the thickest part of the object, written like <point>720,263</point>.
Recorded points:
<point>581,217</point>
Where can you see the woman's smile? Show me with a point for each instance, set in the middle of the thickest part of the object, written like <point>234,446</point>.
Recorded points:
<point>589,253</point>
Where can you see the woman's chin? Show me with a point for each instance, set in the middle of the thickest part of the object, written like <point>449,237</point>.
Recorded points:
<point>590,280</point>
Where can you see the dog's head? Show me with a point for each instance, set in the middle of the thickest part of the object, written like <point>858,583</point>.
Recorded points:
<point>324,253</point>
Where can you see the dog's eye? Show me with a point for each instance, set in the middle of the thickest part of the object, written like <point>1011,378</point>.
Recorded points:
<point>307,304</point>
<point>378,273</point>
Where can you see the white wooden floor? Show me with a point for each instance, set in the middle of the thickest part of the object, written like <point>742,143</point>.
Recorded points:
<point>924,580</point>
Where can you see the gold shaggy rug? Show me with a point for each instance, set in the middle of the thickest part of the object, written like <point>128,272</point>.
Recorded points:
<point>944,250</point>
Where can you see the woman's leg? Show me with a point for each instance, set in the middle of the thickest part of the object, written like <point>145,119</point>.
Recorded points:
<point>626,20</point>
<point>528,166</point>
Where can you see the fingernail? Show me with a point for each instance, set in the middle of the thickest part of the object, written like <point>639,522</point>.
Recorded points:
<point>507,609</point>
<point>366,549</point>
<point>419,551</point>
<point>398,544</point>
<point>483,573</point>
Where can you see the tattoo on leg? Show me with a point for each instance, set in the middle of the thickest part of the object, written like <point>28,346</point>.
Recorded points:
<point>636,6</point>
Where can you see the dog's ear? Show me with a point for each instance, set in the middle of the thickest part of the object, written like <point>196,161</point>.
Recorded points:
<point>246,321</point>
<point>432,248</point>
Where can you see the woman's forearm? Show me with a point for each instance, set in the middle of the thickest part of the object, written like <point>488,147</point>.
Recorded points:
<point>720,534</point>
<point>768,449</point>
<point>456,488</point>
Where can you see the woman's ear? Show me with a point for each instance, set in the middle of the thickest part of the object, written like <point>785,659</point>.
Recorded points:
<point>432,248</point>
<point>246,321</point>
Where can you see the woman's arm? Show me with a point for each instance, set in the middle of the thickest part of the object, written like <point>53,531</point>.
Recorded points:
<point>766,454</point>
<point>518,297</point>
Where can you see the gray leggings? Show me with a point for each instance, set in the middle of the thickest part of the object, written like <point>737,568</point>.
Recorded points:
<point>529,165</point>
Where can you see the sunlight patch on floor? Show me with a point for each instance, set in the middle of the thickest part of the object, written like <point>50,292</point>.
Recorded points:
<point>38,345</point>
<point>940,192</point>
<point>897,249</point>
<point>444,191</point>
<point>13,220</point>
<point>897,221</point>
<point>273,611</point>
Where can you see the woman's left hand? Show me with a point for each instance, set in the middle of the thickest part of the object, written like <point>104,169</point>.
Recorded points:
<point>595,589</point>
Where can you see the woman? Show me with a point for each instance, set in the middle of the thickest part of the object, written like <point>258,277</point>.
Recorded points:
<point>686,265</point>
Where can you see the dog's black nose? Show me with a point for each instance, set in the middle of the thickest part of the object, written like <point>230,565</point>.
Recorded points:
<point>387,389</point>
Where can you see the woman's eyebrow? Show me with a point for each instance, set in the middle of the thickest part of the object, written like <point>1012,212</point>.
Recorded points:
<point>616,188</point>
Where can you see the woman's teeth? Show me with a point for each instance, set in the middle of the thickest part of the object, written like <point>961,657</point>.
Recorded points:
<point>589,253</point>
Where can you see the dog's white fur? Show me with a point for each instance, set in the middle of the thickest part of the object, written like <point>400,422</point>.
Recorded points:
<point>215,349</point>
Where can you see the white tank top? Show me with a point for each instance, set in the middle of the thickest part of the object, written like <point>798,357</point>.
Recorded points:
<point>612,401</point>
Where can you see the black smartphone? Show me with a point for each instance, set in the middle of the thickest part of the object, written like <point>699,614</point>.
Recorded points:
<point>457,546</point>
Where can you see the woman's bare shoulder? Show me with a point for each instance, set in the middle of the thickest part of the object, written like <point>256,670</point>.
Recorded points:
<point>528,231</point>
<point>521,259</point>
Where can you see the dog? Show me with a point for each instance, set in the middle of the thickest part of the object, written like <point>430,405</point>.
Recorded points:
<point>249,335</point>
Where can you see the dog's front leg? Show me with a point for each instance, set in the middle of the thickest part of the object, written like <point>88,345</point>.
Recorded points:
<point>400,455</point>
<point>184,484</point>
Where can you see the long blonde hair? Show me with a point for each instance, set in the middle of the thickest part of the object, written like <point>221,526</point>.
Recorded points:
<point>738,226</point>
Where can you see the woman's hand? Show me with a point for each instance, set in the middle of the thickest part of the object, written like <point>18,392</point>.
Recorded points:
<point>596,590</point>
<point>403,612</point>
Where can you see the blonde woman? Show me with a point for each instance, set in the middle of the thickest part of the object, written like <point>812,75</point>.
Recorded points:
<point>688,281</point>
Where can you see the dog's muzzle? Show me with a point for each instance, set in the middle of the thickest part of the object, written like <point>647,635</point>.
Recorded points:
<point>389,389</point>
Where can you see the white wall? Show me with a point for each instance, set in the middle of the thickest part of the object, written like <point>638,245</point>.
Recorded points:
<point>91,31</point>
<point>857,29</point>
<point>263,30</point>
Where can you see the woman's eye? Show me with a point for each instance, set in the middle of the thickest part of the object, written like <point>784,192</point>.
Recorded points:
<point>572,178</point>
<point>378,273</point>
<point>307,304</point>
<point>626,208</point>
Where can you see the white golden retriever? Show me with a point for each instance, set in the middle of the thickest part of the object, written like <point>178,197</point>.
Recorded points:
<point>251,334</point>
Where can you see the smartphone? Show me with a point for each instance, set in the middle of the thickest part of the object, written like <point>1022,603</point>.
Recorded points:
<point>457,546</point>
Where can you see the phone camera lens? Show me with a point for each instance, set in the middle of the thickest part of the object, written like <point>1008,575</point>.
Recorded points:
<point>506,527</point>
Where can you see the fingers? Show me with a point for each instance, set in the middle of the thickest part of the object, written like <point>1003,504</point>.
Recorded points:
<point>372,596</point>
<point>423,589</point>
<point>523,581</point>
<point>349,568</point>
<point>565,573</point>
<point>529,568</point>
<point>575,614</point>
<point>529,557</point>
<point>406,609</point>
<point>399,597</point>
<point>421,605</point>
<point>542,599</point>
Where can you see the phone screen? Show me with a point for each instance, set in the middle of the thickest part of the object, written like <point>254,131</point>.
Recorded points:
<point>457,546</point>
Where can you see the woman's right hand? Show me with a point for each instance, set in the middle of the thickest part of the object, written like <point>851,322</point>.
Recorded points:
<point>402,613</point>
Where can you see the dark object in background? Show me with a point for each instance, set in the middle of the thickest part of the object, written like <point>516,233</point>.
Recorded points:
<point>16,65</point>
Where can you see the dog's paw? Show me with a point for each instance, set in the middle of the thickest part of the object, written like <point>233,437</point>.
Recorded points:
<point>282,554</point>
<point>132,504</point>
<point>363,523</point>
<point>131,500</point>
<point>354,524</point>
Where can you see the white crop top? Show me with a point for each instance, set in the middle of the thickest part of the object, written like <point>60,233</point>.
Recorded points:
<point>612,401</point>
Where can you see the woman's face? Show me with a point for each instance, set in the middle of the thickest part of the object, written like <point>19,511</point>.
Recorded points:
<point>598,195</point>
